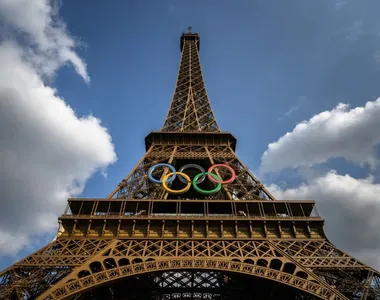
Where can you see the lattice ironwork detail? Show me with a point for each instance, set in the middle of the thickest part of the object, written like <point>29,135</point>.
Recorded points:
<point>138,186</point>
<point>190,109</point>
<point>318,254</point>
<point>35,273</point>
<point>239,250</point>
<point>80,285</point>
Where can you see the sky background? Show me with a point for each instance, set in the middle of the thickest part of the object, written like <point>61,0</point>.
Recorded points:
<point>296,82</point>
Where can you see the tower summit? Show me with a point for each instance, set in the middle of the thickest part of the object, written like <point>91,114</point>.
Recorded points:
<point>190,221</point>
<point>190,109</point>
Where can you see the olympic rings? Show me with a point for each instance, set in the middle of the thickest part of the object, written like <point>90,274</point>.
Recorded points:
<point>195,167</point>
<point>233,175</point>
<point>152,168</point>
<point>199,178</point>
<point>184,190</point>
<point>209,192</point>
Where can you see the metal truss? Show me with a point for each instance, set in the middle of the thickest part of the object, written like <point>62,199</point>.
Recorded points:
<point>116,272</point>
<point>142,242</point>
<point>81,265</point>
<point>193,284</point>
<point>138,186</point>
<point>190,109</point>
<point>34,274</point>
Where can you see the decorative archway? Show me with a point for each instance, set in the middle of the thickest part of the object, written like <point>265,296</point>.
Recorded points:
<point>94,280</point>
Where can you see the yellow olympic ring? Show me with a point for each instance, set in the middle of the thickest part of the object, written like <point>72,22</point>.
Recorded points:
<point>184,190</point>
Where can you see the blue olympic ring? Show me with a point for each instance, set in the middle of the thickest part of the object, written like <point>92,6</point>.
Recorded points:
<point>152,168</point>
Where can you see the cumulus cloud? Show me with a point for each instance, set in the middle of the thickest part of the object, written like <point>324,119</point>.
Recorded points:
<point>349,205</point>
<point>47,152</point>
<point>342,132</point>
<point>49,44</point>
<point>351,208</point>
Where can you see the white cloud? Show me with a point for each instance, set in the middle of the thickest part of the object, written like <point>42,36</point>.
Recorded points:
<point>171,8</point>
<point>351,208</point>
<point>355,31</point>
<point>289,112</point>
<point>47,153</point>
<point>376,56</point>
<point>340,3</point>
<point>49,44</point>
<point>294,108</point>
<point>351,134</point>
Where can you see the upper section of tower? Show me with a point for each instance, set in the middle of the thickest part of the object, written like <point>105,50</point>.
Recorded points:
<point>190,109</point>
<point>190,36</point>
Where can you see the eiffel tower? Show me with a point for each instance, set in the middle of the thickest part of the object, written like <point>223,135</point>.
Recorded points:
<point>190,222</point>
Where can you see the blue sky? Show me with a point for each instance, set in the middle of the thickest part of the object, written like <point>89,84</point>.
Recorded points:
<point>268,65</point>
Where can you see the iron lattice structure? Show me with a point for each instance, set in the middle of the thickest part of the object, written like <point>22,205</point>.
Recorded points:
<point>142,242</point>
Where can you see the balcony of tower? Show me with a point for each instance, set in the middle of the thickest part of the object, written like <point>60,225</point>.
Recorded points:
<point>156,138</point>
<point>191,219</point>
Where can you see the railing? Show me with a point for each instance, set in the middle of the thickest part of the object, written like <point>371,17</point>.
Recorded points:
<point>188,216</point>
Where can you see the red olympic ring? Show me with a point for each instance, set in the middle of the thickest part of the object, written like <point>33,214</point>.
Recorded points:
<point>233,174</point>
